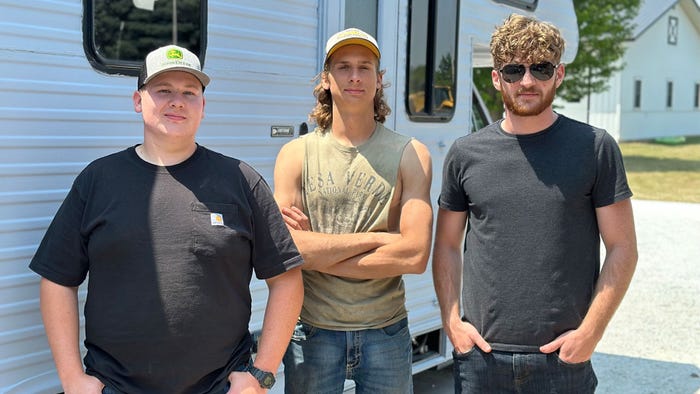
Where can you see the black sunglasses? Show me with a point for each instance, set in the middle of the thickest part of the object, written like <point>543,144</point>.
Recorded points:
<point>515,72</point>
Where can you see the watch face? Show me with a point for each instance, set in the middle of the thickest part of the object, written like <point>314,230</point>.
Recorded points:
<point>267,381</point>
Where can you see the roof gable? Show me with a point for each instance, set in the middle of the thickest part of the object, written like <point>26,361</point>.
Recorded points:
<point>651,10</point>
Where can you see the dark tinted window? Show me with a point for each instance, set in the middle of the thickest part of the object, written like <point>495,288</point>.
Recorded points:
<point>432,60</point>
<point>637,93</point>
<point>362,14</point>
<point>118,34</point>
<point>529,5</point>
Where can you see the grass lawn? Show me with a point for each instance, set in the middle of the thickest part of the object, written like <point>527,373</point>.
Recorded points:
<point>666,172</point>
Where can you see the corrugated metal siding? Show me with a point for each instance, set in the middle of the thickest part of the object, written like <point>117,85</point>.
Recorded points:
<point>56,116</point>
<point>262,57</point>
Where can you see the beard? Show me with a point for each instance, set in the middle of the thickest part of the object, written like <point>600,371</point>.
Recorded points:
<point>527,108</point>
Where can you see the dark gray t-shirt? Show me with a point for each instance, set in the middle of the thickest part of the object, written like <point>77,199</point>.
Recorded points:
<point>532,253</point>
<point>170,252</point>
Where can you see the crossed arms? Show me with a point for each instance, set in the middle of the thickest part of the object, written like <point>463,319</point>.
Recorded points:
<point>362,255</point>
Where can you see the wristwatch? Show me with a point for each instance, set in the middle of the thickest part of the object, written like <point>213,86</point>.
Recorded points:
<point>266,379</point>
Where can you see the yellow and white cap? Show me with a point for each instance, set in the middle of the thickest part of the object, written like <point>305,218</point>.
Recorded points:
<point>351,36</point>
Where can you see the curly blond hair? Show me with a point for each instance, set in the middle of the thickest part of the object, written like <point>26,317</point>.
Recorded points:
<point>526,40</point>
<point>322,113</point>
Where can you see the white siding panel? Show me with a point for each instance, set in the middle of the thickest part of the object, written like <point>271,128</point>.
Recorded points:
<point>261,57</point>
<point>43,63</point>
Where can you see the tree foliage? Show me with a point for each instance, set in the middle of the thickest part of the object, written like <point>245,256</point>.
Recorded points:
<point>604,27</point>
<point>125,32</point>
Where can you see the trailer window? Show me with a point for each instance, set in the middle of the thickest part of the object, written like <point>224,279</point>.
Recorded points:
<point>527,5</point>
<point>432,60</point>
<point>117,35</point>
<point>362,14</point>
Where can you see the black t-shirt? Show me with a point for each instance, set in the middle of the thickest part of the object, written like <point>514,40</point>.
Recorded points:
<point>532,253</point>
<point>170,252</point>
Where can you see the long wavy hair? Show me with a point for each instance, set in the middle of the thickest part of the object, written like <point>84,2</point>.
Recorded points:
<point>322,113</point>
<point>526,40</point>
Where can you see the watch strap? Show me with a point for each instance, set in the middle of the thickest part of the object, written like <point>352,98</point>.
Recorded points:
<point>265,379</point>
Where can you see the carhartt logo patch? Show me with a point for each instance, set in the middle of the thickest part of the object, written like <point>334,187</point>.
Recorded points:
<point>217,219</point>
<point>174,54</point>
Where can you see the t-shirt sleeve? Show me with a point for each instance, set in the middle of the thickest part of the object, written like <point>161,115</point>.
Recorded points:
<point>611,180</point>
<point>62,254</point>
<point>274,251</point>
<point>452,194</point>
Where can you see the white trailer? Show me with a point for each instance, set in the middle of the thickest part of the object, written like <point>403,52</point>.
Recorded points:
<point>64,103</point>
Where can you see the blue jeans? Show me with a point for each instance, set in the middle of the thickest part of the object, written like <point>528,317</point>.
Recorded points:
<point>505,372</point>
<point>378,361</point>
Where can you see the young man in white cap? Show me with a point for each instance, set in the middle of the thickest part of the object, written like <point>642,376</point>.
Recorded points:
<point>170,233</point>
<point>356,197</point>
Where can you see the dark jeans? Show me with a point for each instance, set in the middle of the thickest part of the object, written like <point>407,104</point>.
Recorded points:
<point>379,361</point>
<point>505,372</point>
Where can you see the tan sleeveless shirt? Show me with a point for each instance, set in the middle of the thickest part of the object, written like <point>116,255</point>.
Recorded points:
<point>349,190</point>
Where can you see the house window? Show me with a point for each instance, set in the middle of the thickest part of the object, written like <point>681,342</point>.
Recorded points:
<point>118,34</point>
<point>696,101</point>
<point>637,94</point>
<point>669,94</point>
<point>672,33</point>
<point>432,60</point>
<point>362,14</point>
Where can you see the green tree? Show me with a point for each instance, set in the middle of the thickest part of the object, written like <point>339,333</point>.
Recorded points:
<point>444,76</point>
<point>604,26</point>
<point>124,32</point>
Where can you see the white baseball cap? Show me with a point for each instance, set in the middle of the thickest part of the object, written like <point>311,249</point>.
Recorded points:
<point>351,36</point>
<point>171,58</point>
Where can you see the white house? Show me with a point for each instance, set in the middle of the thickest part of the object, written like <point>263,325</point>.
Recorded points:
<point>657,94</point>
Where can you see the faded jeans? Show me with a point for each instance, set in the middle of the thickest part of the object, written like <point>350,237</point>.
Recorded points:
<point>378,361</point>
<point>505,372</point>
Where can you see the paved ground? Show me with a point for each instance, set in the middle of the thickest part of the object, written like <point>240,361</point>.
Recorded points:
<point>652,345</point>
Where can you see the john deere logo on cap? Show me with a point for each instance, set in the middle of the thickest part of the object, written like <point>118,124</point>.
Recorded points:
<point>174,54</point>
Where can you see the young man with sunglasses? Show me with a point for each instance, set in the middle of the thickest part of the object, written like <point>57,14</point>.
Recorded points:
<point>539,191</point>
